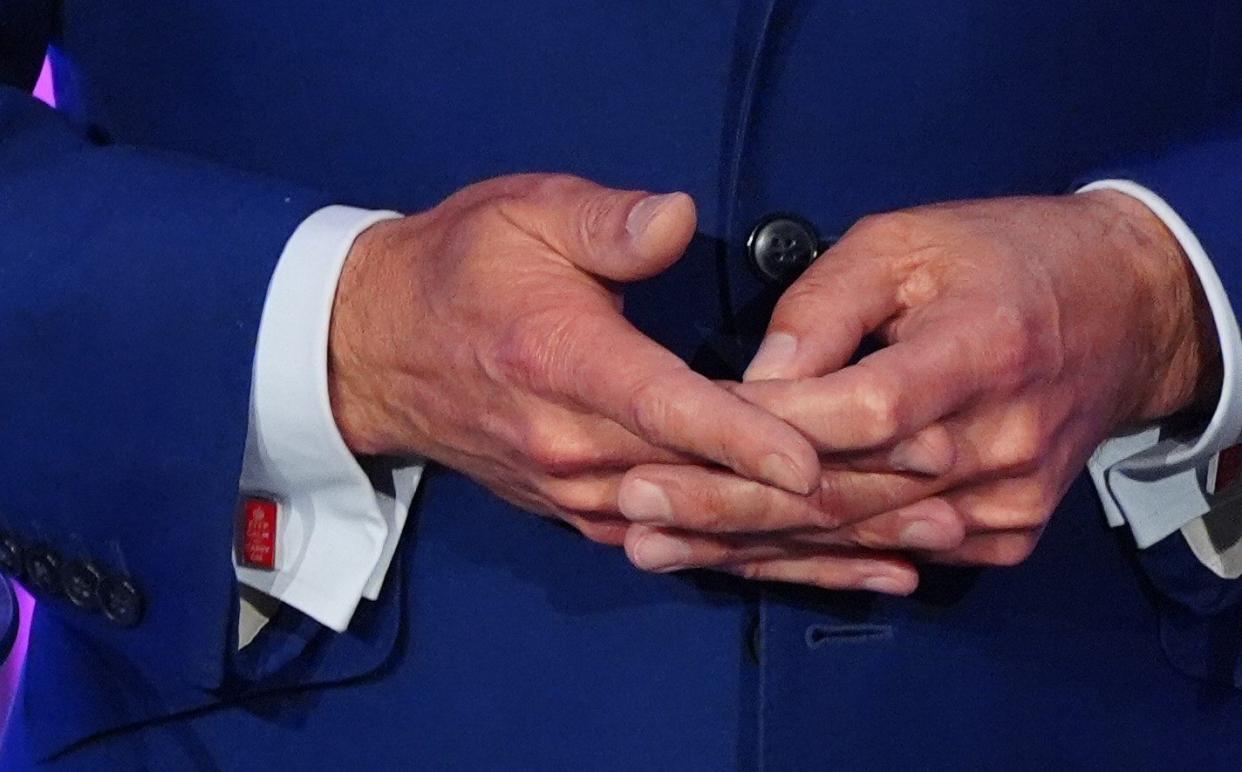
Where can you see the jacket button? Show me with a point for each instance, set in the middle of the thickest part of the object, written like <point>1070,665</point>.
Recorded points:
<point>43,570</point>
<point>12,559</point>
<point>781,246</point>
<point>120,600</point>
<point>80,582</point>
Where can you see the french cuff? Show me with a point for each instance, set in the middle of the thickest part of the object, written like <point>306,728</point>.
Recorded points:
<point>337,524</point>
<point>1148,479</point>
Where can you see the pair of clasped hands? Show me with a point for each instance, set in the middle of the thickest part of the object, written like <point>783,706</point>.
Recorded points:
<point>487,334</point>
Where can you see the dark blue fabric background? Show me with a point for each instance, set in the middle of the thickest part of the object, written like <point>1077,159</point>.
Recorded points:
<point>138,231</point>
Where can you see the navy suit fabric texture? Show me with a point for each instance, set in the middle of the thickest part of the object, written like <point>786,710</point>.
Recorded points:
<point>141,222</point>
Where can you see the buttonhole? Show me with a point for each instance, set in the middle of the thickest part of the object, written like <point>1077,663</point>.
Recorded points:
<point>823,635</point>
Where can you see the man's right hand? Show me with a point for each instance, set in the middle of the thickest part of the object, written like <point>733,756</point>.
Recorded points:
<point>486,334</point>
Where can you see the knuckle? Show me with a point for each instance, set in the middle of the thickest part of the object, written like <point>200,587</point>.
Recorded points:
<point>612,534</point>
<point>652,406</point>
<point>881,405</point>
<point>551,452</point>
<point>595,218</point>
<point>1011,349</point>
<point>1039,512</point>
<point>1008,517</point>
<point>828,502</point>
<point>584,499</point>
<point>919,286</point>
<point>1021,440</point>
<point>1012,549</point>
<point>521,359</point>
<point>1025,507</point>
<point>527,350</point>
<point>939,449</point>
<point>1038,501</point>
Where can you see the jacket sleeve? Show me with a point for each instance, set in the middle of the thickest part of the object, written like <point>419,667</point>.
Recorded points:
<point>131,288</point>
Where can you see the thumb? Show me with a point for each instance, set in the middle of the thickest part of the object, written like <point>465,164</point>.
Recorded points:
<point>625,236</point>
<point>658,229</point>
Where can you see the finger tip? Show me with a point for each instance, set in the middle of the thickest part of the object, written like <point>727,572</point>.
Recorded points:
<point>680,212</point>
<point>755,373</point>
<point>633,536</point>
<point>809,468</point>
<point>641,500</point>
<point>957,531</point>
<point>661,226</point>
<point>652,550</point>
<point>610,534</point>
<point>931,452</point>
<point>900,584</point>
<point>796,473</point>
<point>774,359</point>
<point>948,516</point>
<point>932,526</point>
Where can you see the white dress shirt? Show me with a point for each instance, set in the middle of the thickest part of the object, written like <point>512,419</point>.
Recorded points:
<point>337,531</point>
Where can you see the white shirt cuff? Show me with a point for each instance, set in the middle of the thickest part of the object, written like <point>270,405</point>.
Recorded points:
<point>1152,482</point>
<point>336,531</point>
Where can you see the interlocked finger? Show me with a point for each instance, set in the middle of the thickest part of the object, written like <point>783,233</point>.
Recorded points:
<point>886,397</point>
<point>709,500</point>
<point>663,551</point>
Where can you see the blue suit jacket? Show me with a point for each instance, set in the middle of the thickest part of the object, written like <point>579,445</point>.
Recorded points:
<point>138,230</point>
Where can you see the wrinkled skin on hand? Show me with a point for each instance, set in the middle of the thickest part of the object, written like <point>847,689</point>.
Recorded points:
<point>1018,334</point>
<point>486,334</point>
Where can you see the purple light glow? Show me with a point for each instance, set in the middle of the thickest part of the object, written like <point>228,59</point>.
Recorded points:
<point>43,89</point>
<point>11,671</point>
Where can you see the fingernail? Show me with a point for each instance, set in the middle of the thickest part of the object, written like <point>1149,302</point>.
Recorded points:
<point>774,355</point>
<point>914,457</point>
<point>889,585</point>
<point>644,212</point>
<point>781,471</point>
<point>657,552</point>
<point>644,502</point>
<point>923,535</point>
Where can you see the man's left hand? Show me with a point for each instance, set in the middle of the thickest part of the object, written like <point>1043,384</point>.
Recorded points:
<point>1018,333</point>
